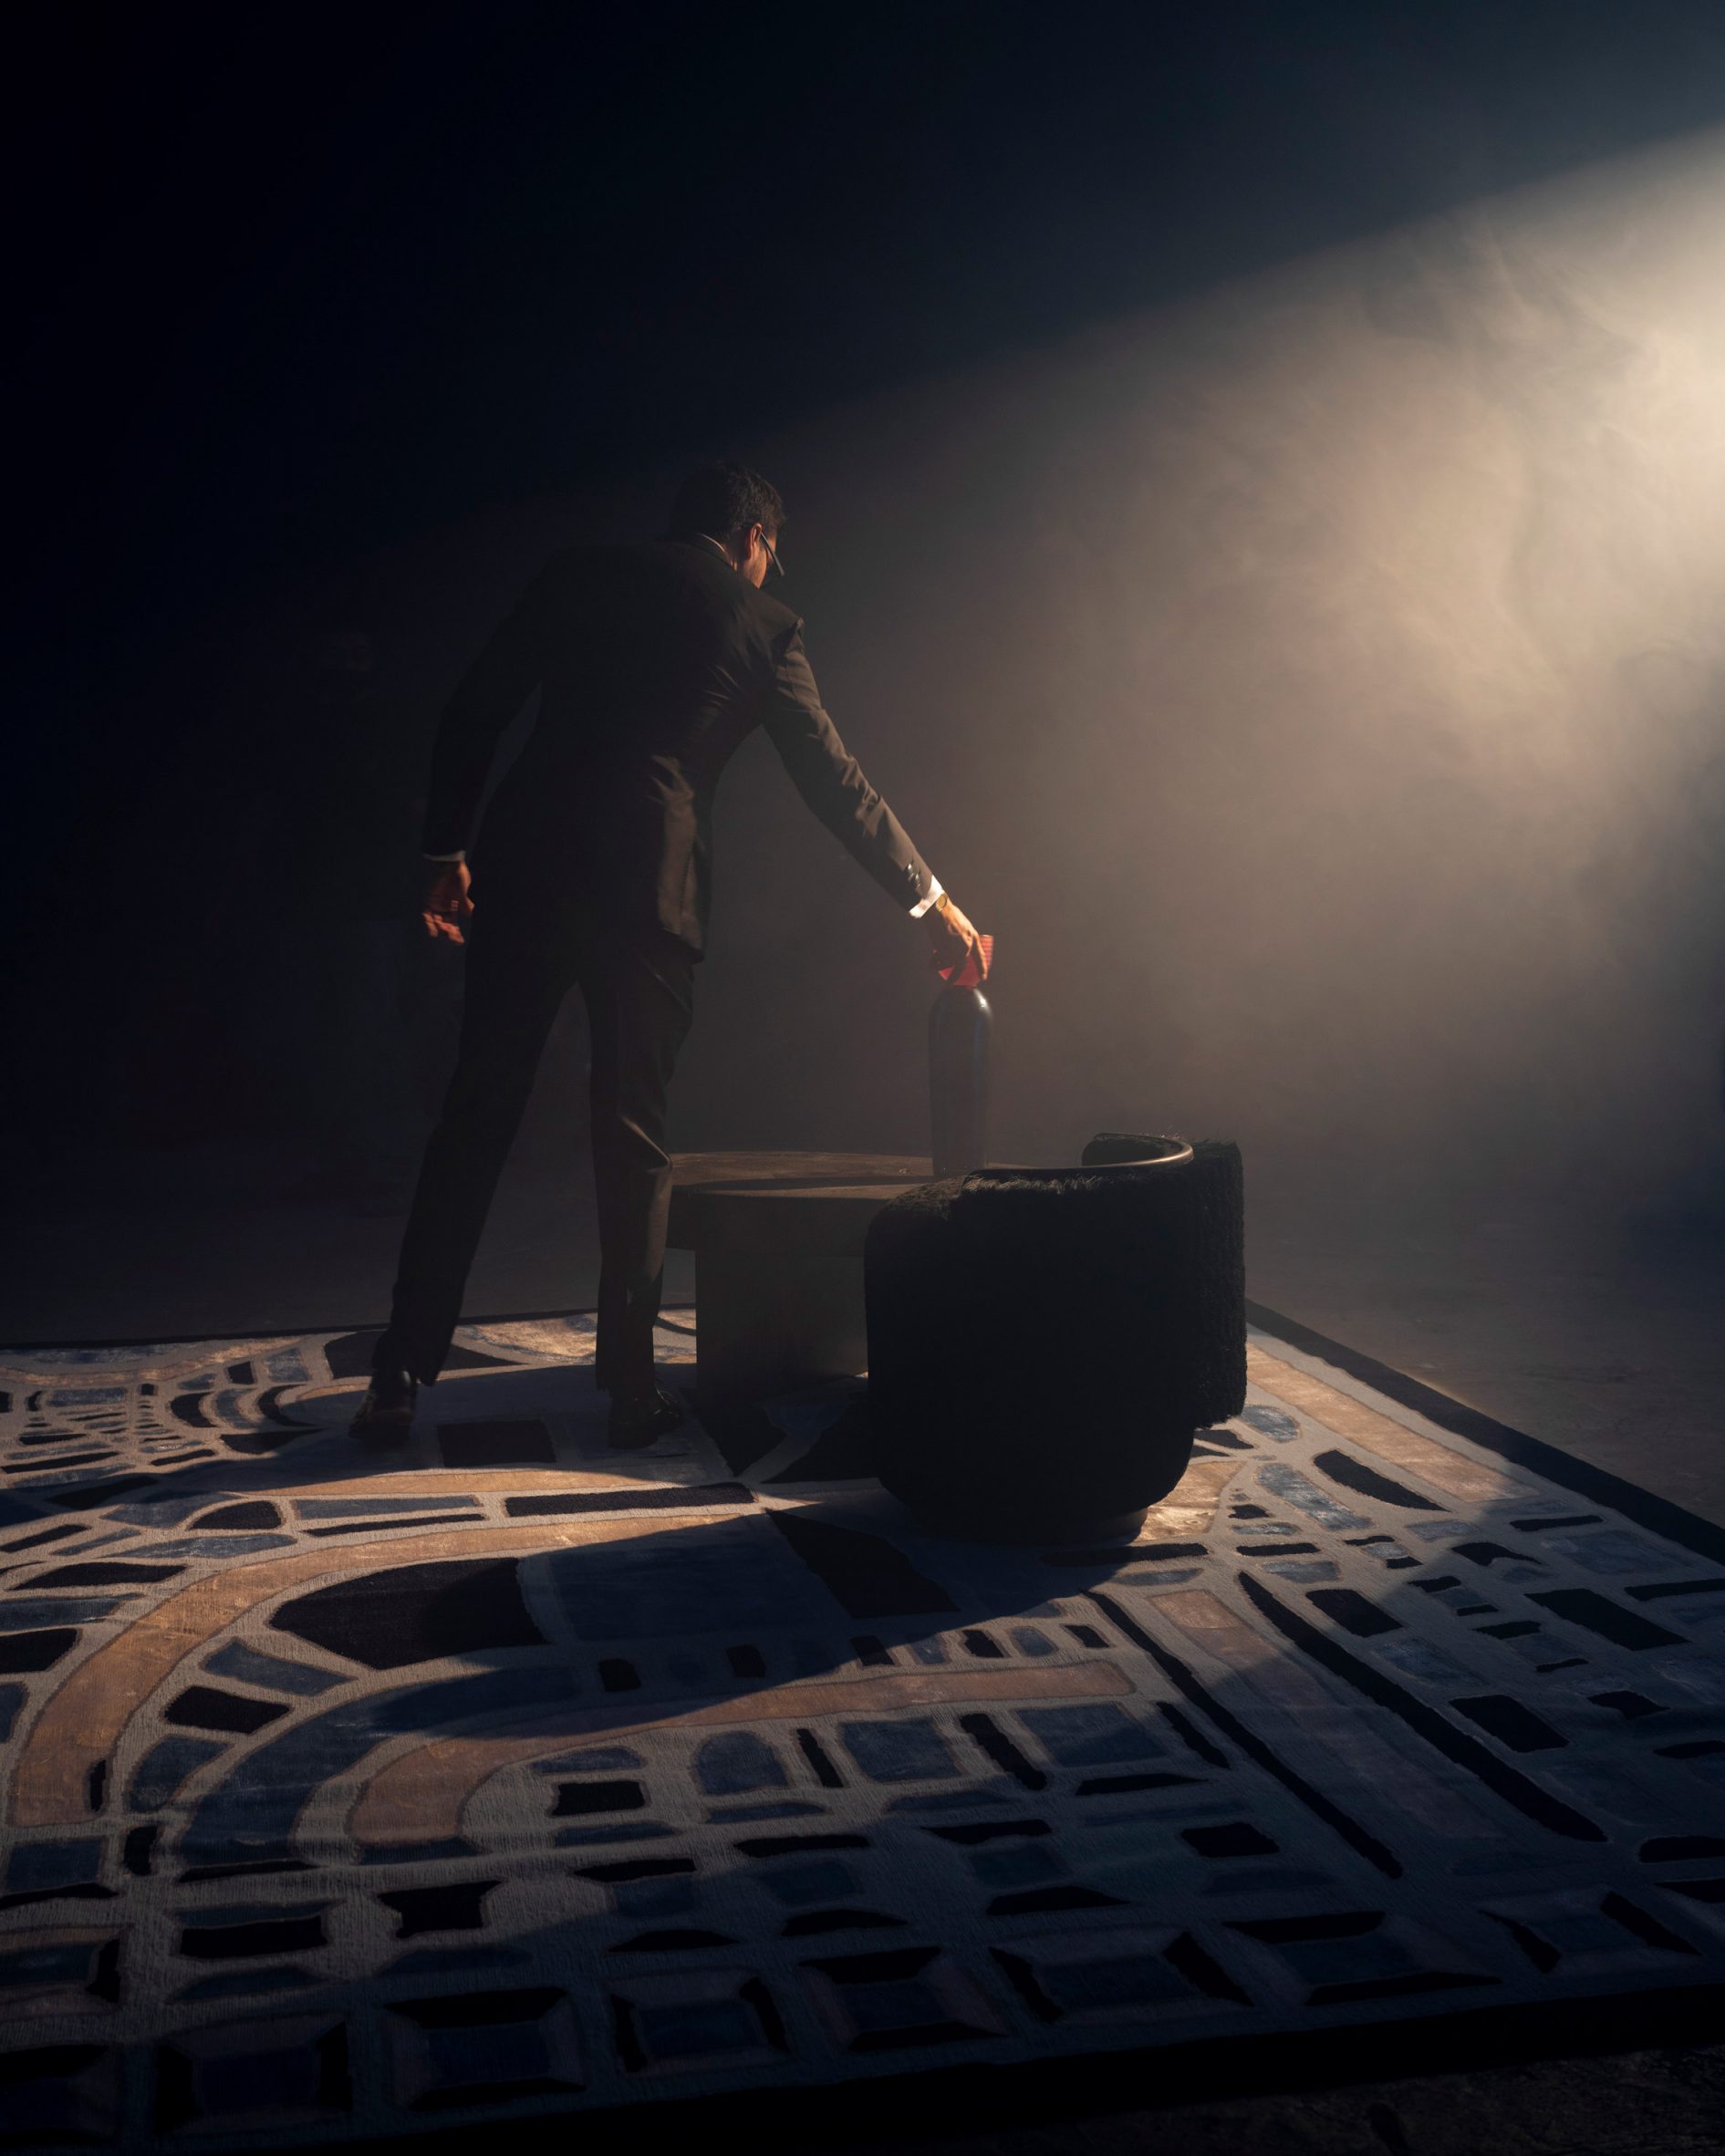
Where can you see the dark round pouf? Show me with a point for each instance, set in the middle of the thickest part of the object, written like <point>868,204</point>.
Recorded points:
<point>1043,1342</point>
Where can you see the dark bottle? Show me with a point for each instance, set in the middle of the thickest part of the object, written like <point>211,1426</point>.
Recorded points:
<point>958,1029</point>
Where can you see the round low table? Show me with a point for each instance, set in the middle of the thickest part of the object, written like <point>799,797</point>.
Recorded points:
<point>778,1243</point>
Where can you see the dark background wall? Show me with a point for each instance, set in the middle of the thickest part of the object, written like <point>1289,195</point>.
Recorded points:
<point>1254,495</point>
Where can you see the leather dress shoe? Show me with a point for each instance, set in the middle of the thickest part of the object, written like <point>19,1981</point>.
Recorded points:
<point>386,1414</point>
<point>638,1418</point>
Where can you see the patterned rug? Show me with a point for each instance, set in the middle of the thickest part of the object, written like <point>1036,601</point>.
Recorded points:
<point>352,1795</point>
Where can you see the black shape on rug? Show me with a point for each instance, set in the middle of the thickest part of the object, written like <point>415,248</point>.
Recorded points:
<point>844,1452</point>
<point>1631,1705</point>
<point>53,1534</point>
<point>458,1906</point>
<point>665,1499</point>
<point>865,1574</point>
<point>23,1652</point>
<point>103,1573</point>
<point>298,1933</point>
<point>816,1753</point>
<point>1509,1722</point>
<point>1051,1899</point>
<point>89,1495</point>
<point>1238,1839</point>
<point>379,1527</point>
<point>628,1870</point>
<point>798,1845</point>
<point>1598,1612</point>
<point>522,1444</point>
<point>813,1922</point>
<point>575,1799</point>
<point>1351,1611</point>
<point>254,1512</point>
<point>1367,1482</point>
<point>416,1613</point>
<point>987,1734</point>
<point>1120,1785</point>
<point>203,1706</point>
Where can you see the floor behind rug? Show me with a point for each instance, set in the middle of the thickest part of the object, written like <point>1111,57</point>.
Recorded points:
<point>353,1794</point>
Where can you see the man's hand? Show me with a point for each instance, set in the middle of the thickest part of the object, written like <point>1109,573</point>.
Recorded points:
<point>953,939</point>
<point>446,904</point>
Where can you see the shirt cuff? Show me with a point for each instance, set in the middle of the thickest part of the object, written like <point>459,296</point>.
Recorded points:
<point>449,859</point>
<point>935,895</point>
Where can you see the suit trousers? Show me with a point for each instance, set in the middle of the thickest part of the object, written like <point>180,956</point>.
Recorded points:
<point>638,983</point>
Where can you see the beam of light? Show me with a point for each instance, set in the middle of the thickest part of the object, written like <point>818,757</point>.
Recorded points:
<point>1315,684</point>
<point>1327,674</point>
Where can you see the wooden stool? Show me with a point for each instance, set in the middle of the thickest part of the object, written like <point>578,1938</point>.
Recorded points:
<point>778,1242</point>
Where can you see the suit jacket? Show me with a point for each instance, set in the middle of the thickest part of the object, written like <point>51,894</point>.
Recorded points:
<point>654,663</point>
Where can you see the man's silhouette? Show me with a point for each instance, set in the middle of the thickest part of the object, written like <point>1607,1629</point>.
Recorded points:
<point>654,662</point>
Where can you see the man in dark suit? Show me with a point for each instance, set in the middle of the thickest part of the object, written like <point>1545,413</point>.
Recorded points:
<point>653,662</point>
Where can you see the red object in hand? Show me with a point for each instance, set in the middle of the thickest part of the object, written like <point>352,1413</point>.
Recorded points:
<point>970,974</point>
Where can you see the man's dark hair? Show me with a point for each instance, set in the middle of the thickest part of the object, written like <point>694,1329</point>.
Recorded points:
<point>723,500</point>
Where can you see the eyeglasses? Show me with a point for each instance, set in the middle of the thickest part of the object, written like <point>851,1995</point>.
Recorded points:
<point>778,566</point>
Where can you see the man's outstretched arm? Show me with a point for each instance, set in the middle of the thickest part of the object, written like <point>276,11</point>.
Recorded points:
<point>832,783</point>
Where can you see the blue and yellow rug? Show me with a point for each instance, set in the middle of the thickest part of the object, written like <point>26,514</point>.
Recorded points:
<point>352,1795</point>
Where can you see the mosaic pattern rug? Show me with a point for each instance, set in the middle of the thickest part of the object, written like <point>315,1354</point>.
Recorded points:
<point>354,1795</point>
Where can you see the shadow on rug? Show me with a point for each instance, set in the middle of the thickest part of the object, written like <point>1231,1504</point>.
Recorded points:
<point>351,1794</point>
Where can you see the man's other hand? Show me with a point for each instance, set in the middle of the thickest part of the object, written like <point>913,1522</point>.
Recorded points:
<point>953,939</point>
<point>446,905</point>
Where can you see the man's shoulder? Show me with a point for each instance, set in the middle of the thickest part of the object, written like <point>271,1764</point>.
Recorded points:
<point>701,562</point>
<point>773,615</point>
